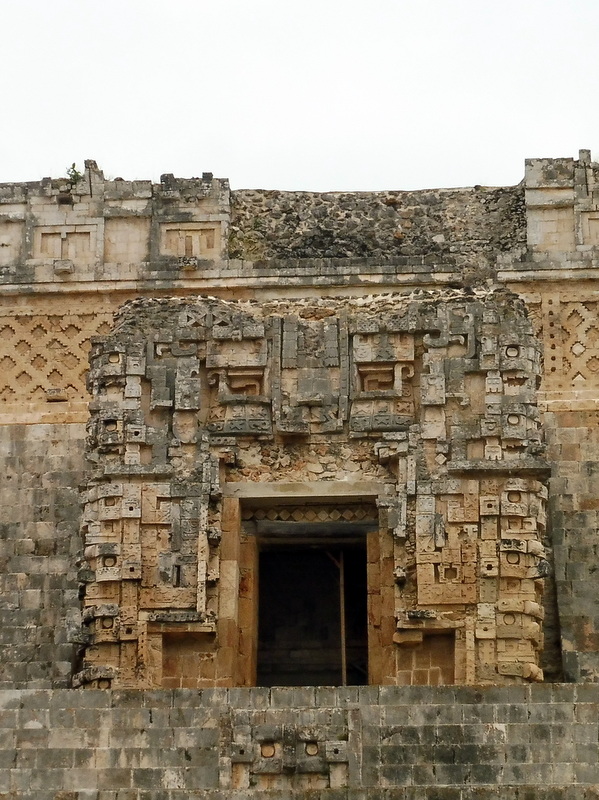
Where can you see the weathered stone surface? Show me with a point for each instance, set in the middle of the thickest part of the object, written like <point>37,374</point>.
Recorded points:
<point>42,467</point>
<point>431,396</point>
<point>72,252</point>
<point>464,227</point>
<point>397,742</point>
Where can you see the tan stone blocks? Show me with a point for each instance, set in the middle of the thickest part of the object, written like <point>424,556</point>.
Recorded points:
<point>11,234</point>
<point>551,229</point>
<point>191,240</point>
<point>126,240</point>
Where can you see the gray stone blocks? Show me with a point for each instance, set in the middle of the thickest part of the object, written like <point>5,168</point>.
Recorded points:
<point>537,742</point>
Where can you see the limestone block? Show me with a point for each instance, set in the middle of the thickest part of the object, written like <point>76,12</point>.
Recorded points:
<point>191,240</point>
<point>126,240</point>
<point>551,229</point>
<point>432,389</point>
<point>11,234</point>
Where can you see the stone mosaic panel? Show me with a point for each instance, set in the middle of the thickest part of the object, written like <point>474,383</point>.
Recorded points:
<point>434,395</point>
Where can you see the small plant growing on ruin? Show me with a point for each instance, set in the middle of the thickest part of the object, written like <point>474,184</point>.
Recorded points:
<point>74,175</point>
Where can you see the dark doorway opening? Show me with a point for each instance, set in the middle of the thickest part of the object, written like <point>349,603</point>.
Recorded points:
<point>312,615</point>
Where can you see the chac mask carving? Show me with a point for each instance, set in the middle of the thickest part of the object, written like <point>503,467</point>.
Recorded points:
<point>430,395</point>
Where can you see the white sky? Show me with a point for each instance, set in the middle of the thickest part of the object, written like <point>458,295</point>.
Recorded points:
<point>304,94</point>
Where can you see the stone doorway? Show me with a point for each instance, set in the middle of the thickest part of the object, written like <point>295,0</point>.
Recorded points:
<point>312,614</point>
<point>309,586</point>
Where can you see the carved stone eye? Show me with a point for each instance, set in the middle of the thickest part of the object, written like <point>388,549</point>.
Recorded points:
<point>267,750</point>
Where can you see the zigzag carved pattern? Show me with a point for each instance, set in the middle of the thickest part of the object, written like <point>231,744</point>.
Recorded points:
<point>579,363</point>
<point>45,353</point>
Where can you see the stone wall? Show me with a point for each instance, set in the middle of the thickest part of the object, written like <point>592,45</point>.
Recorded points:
<point>61,231</point>
<point>414,743</point>
<point>71,253</point>
<point>558,278</point>
<point>573,445</point>
<point>462,227</point>
<point>39,544</point>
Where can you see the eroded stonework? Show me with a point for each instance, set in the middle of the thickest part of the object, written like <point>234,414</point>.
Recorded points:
<point>292,452</point>
<point>424,404</point>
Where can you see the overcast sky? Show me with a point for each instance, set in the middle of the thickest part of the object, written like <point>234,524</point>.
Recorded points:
<point>306,94</point>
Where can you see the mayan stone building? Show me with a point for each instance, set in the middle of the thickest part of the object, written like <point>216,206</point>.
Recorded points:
<point>299,490</point>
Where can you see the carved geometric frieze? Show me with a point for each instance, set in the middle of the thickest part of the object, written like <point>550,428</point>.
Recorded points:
<point>191,241</point>
<point>44,357</point>
<point>436,399</point>
<point>75,243</point>
<point>567,327</point>
<point>312,513</point>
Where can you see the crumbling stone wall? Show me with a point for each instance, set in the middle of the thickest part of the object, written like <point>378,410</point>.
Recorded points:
<point>463,227</point>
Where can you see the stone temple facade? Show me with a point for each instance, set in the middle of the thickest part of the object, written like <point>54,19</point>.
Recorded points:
<point>299,490</point>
